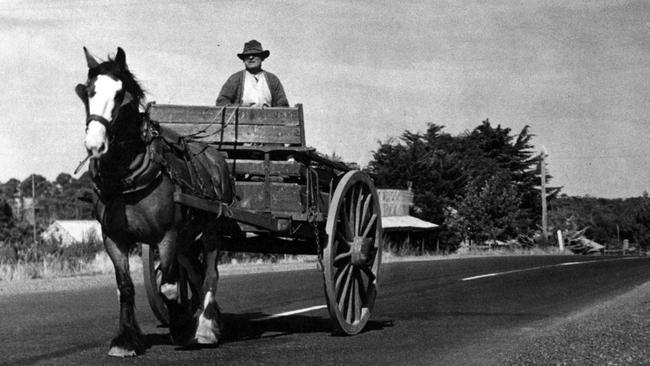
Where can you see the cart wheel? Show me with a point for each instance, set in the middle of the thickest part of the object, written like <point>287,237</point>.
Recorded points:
<point>352,256</point>
<point>152,281</point>
<point>190,278</point>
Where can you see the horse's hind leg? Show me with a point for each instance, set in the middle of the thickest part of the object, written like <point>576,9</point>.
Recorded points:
<point>209,326</point>
<point>181,321</point>
<point>129,340</point>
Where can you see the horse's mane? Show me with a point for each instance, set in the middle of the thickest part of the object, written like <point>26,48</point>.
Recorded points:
<point>129,80</point>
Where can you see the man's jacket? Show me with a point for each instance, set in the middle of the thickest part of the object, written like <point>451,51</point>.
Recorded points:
<point>232,90</point>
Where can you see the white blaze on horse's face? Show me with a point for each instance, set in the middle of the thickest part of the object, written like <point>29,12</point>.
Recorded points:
<point>101,102</point>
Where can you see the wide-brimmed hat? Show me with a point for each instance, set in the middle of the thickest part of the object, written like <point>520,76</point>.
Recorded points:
<point>253,47</point>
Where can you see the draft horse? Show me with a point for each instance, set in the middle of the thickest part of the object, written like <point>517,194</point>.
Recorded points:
<point>135,183</point>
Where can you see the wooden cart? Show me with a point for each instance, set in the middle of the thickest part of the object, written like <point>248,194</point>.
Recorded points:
<point>290,200</point>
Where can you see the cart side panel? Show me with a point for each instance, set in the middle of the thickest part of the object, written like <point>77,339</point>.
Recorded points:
<point>285,197</point>
<point>233,125</point>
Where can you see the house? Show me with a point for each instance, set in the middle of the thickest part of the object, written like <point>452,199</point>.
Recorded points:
<point>401,228</point>
<point>69,232</point>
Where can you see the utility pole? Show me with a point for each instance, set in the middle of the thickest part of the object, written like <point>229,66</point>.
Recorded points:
<point>542,165</point>
<point>34,208</point>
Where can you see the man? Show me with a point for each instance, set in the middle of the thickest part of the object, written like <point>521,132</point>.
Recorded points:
<point>253,86</point>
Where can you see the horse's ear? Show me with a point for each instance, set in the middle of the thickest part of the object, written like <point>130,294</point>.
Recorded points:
<point>92,63</point>
<point>81,91</point>
<point>120,58</point>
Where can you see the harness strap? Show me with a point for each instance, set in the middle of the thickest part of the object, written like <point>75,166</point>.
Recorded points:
<point>126,99</point>
<point>96,117</point>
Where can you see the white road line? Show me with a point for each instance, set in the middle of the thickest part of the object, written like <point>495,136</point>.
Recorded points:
<point>569,263</point>
<point>541,267</point>
<point>502,273</point>
<point>289,313</point>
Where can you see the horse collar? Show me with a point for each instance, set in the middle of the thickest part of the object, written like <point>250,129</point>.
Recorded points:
<point>141,176</point>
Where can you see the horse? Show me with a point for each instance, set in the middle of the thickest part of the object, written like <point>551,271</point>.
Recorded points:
<point>134,204</point>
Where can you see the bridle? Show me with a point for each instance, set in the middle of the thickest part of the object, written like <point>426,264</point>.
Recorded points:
<point>125,98</point>
<point>97,118</point>
<point>108,125</point>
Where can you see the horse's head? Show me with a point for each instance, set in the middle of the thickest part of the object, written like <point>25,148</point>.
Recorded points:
<point>109,88</point>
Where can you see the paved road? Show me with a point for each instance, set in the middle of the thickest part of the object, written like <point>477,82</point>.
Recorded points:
<point>450,312</point>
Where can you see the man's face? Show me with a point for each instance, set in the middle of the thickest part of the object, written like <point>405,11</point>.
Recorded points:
<point>253,62</point>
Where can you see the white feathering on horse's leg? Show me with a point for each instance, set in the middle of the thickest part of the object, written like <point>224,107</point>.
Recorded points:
<point>169,291</point>
<point>207,331</point>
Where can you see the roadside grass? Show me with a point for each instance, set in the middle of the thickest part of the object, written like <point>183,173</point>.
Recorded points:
<point>56,267</point>
<point>52,266</point>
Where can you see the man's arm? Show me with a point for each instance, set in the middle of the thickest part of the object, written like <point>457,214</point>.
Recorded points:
<point>229,91</point>
<point>278,98</point>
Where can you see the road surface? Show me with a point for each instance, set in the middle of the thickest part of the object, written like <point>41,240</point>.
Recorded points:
<point>446,312</point>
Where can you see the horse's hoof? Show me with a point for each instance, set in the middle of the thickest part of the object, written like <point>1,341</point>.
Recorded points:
<point>205,338</point>
<point>128,343</point>
<point>116,351</point>
<point>181,335</point>
<point>207,332</point>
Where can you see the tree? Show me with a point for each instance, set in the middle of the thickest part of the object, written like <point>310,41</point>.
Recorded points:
<point>641,222</point>
<point>441,167</point>
<point>489,210</point>
<point>427,161</point>
<point>10,188</point>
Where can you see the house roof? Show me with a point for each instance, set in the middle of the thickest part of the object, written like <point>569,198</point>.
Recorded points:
<point>393,223</point>
<point>80,229</point>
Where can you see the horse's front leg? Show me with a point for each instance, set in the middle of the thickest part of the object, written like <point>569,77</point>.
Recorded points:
<point>209,326</point>
<point>129,340</point>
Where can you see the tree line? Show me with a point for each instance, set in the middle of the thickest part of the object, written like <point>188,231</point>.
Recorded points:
<point>481,186</point>
<point>28,207</point>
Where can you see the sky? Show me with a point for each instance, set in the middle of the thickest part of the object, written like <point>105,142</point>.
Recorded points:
<point>577,72</point>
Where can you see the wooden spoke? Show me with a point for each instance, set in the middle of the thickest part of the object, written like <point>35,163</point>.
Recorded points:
<point>345,290</point>
<point>362,290</point>
<point>368,272</point>
<point>345,222</point>
<point>350,211</point>
<point>373,218</point>
<point>341,275</point>
<point>350,309</point>
<point>366,206</point>
<point>342,240</point>
<point>341,257</point>
<point>357,216</point>
<point>357,298</point>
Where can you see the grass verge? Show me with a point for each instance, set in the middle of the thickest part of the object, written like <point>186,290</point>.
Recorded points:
<point>101,263</point>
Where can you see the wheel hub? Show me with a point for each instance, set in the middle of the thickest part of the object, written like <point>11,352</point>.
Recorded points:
<point>361,251</point>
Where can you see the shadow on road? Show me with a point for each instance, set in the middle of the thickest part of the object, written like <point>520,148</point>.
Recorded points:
<point>243,327</point>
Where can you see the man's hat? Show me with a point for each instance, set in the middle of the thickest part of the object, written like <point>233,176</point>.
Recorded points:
<point>253,47</point>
